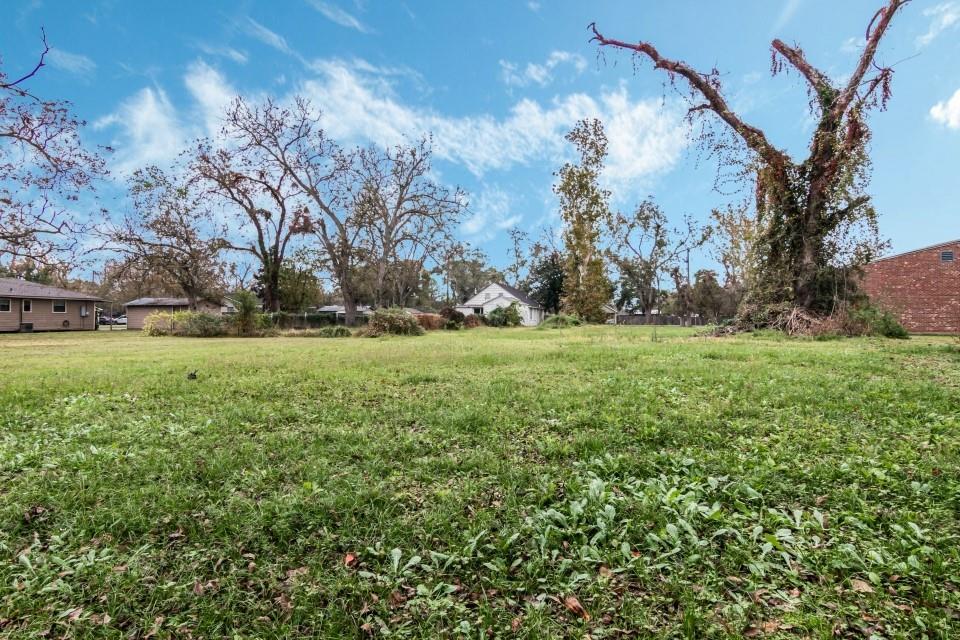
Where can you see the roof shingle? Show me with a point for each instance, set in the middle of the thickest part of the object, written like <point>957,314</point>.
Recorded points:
<point>16,288</point>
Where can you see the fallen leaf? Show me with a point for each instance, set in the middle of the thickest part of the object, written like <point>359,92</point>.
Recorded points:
<point>349,560</point>
<point>293,573</point>
<point>605,571</point>
<point>515,624</point>
<point>74,614</point>
<point>860,586</point>
<point>573,605</point>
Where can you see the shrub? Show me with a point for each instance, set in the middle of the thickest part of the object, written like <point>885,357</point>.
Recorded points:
<point>394,321</point>
<point>453,319</point>
<point>430,321</point>
<point>322,332</point>
<point>193,324</point>
<point>472,321</point>
<point>505,316</point>
<point>873,321</point>
<point>246,317</point>
<point>560,321</point>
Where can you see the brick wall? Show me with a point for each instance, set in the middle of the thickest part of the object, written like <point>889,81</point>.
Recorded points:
<point>921,289</point>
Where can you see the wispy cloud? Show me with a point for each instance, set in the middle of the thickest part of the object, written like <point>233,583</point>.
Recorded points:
<point>541,73</point>
<point>75,63</point>
<point>787,11</point>
<point>148,130</point>
<point>943,16</point>
<point>335,14</point>
<point>490,212</point>
<point>947,112</point>
<point>212,93</point>
<point>645,138</point>
<point>268,37</point>
<point>240,57</point>
<point>533,5</point>
<point>853,44</point>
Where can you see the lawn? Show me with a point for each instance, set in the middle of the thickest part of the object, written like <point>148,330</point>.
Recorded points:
<point>493,483</point>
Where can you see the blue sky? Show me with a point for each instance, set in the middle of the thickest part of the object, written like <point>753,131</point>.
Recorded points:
<point>499,83</point>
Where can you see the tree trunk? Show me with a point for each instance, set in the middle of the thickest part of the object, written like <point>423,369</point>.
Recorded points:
<point>349,309</point>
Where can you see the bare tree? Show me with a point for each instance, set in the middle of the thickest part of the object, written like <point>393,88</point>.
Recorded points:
<point>406,214</point>
<point>260,194</point>
<point>518,255</point>
<point>289,142</point>
<point>801,204</point>
<point>171,230</point>
<point>644,248</point>
<point>43,170</point>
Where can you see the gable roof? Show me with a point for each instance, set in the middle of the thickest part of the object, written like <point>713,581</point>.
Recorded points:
<point>519,295</point>
<point>906,253</point>
<point>17,288</point>
<point>159,302</point>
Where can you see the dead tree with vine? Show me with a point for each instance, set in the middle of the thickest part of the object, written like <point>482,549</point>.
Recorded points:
<point>806,209</point>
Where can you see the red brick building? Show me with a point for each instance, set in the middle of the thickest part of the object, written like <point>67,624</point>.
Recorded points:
<point>922,287</point>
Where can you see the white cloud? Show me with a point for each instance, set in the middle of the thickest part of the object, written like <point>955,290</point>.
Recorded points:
<point>533,5</point>
<point>336,14</point>
<point>943,16</point>
<point>74,63</point>
<point>853,44</point>
<point>786,14</point>
<point>211,91</point>
<point>947,112</point>
<point>541,74</point>
<point>149,130</point>
<point>490,214</point>
<point>268,37</point>
<point>240,57</point>
<point>645,138</point>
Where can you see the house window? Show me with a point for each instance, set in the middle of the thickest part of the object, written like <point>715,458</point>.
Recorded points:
<point>27,305</point>
<point>4,305</point>
<point>59,306</point>
<point>946,256</point>
<point>478,311</point>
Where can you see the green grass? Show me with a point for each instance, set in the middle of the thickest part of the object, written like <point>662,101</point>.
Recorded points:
<point>690,487</point>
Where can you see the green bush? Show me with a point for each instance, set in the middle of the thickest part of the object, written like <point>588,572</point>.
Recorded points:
<point>193,324</point>
<point>322,332</point>
<point>505,316</point>
<point>247,318</point>
<point>560,321</point>
<point>395,321</point>
<point>874,321</point>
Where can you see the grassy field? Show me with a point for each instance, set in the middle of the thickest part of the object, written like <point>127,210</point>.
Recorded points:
<point>513,483</point>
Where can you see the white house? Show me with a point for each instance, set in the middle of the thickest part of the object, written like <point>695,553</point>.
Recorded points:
<point>497,294</point>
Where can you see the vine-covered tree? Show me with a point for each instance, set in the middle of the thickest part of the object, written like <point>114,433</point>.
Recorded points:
<point>806,209</point>
<point>584,206</point>
<point>44,168</point>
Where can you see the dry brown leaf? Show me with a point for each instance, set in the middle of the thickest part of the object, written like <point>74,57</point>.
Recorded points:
<point>572,603</point>
<point>605,571</point>
<point>860,586</point>
<point>516,623</point>
<point>349,560</point>
<point>73,614</point>
<point>299,571</point>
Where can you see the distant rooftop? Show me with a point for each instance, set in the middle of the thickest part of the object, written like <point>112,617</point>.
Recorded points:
<point>16,288</point>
